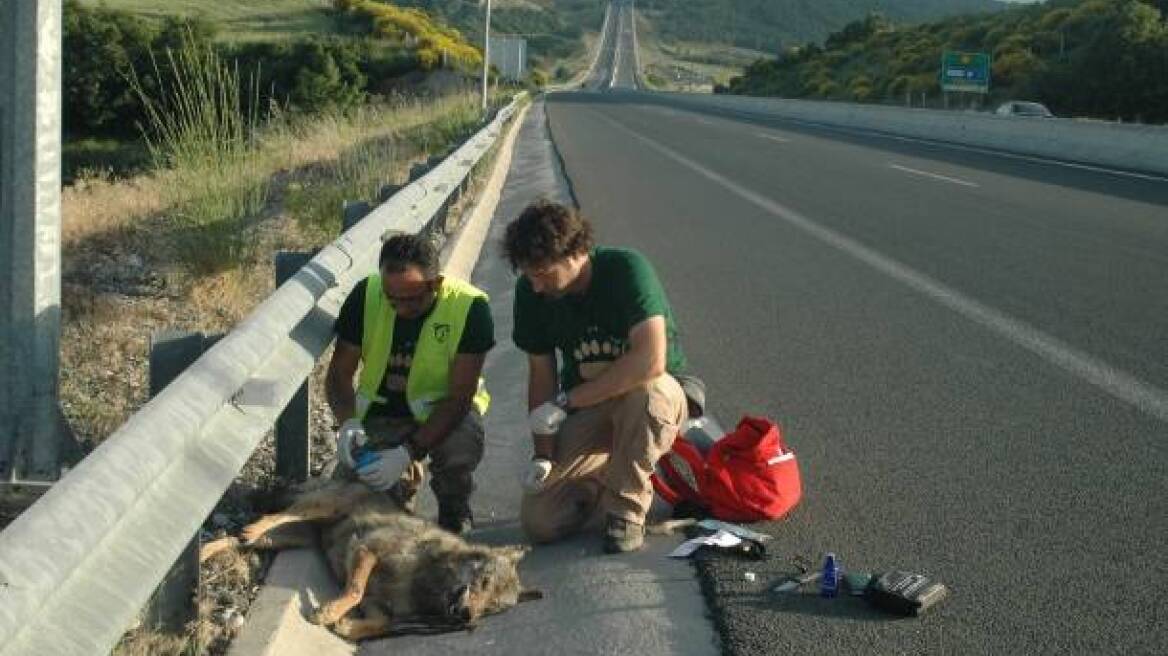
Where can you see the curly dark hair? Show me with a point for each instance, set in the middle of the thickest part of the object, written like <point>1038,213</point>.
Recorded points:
<point>403,250</point>
<point>546,232</point>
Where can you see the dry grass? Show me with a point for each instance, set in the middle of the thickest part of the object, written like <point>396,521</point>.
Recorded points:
<point>141,641</point>
<point>124,275</point>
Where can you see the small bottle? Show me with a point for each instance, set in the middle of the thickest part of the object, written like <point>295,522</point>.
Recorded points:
<point>363,457</point>
<point>829,583</point>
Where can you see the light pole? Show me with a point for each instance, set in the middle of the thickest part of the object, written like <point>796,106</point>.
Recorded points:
<point>486,55</point>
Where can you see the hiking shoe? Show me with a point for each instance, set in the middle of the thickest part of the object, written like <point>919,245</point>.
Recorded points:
<point>455,517</point>
<point>622,536</point>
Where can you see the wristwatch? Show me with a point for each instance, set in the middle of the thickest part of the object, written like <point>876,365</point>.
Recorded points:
<point>561,400</point>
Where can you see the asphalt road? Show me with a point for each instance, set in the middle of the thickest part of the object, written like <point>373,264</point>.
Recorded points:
<point>968,352</point>
<point>616,61</point>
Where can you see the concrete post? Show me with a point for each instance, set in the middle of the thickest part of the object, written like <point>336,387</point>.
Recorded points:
<point>30,239</point>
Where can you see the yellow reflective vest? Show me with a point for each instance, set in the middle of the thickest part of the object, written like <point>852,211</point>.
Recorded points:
<point>429,378</point>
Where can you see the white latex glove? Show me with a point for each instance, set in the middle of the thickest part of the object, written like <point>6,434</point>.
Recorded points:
<point>385,468</point>
<point>350,436</point>
<point>546,419</point>
<point>537,472</point>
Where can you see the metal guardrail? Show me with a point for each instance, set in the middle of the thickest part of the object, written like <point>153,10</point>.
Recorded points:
<point>77,567</point>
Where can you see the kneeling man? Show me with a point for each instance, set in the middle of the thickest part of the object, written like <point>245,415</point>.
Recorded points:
<point>603,414</point>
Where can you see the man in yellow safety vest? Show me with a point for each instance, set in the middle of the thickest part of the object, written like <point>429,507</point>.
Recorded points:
<point>420,340</point>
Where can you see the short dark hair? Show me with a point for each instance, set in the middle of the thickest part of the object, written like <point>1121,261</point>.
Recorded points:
<point>546,232</point>
<point>402,251</point>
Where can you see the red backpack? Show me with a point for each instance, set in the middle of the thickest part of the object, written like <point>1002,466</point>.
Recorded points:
<point>746,476</point>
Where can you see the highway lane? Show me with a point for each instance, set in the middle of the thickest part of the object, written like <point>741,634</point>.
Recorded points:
<point>624,68</point>
<point>968,353</point>
<point>616,61</point>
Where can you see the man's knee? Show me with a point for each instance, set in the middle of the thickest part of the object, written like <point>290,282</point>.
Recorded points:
<point>462,450</point>
<point>660,401</point>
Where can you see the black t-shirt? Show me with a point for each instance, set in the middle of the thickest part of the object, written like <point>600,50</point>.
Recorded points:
<point>477,337</point>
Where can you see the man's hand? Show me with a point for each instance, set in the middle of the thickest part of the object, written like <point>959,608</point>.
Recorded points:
<point>350,436</point>
<point>547,418</point>
<point>385,468</point>
<point>537,472</point>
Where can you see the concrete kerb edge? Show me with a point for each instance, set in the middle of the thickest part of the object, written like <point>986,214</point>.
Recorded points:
<point>276,625</point>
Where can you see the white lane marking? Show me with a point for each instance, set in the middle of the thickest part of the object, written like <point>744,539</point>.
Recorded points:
<point>935,176</point>
<point>763,135</point>
<point>954,146</point>
<point>1119,384</point>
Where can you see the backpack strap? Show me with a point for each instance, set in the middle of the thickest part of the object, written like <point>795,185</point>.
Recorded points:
<point>675,489</point>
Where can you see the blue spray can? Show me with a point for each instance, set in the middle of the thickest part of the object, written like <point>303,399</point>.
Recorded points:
<point>363,457</point>
<point>829,583</point>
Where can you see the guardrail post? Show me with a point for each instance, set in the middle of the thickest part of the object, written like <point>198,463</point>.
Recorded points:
<point>173,605</point>
<point>419,169</point>
<point>292,444</point>
<point>387,191</point>
<point>353,211</point>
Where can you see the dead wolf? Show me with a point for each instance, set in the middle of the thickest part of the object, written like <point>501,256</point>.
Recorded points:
<point>398,569</point>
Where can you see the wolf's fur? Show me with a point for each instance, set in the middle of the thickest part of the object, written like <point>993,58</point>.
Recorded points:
<point>396,567</point>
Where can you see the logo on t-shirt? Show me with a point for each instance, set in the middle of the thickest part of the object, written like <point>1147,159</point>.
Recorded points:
<point>400,362</point>
<point>595,351</point>
<point>441,332</point>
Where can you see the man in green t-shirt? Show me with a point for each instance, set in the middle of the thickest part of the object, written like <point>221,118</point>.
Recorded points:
<point>420,341</point>
<point>614,409</point>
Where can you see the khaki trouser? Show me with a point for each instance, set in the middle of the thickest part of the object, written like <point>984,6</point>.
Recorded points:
<point>604,456</point>
<point>452,463</point>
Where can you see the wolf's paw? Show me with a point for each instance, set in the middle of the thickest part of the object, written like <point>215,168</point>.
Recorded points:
<point>328,614</point>
<point>318,617</point>
<point>216,547</point>
<point>252,532</point>
<point>344,628</point>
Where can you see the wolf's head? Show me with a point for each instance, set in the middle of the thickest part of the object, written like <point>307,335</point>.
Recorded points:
<point>486,581</point>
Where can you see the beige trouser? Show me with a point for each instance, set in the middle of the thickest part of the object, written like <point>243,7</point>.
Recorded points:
<point>604,456</point>
<point>452,463</point>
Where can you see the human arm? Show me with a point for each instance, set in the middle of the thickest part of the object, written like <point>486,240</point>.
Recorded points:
<point>449,412</point>
<point>644,361</point>
<point>342,399</point>
<point>541,389</point>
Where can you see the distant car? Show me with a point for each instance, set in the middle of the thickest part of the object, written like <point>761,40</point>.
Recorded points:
<point>1023,108</point>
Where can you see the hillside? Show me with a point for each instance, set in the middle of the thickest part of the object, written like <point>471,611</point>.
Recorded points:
<point>1098,58</point>
<point>258,20</point>
<point>770,25</point>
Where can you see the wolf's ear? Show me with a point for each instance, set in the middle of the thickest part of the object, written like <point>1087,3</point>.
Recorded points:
<point>513,552</point>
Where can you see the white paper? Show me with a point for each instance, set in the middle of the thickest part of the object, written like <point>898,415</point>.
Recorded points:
<point>719,539</point>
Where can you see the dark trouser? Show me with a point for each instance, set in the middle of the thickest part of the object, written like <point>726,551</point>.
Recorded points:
<point>452,462</point>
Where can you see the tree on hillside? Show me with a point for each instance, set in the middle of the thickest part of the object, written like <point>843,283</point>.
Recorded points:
<point>1106,58</point>
<point>329,77</point>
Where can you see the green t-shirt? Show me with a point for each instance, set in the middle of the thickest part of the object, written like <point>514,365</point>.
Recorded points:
<point>590,330</point>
